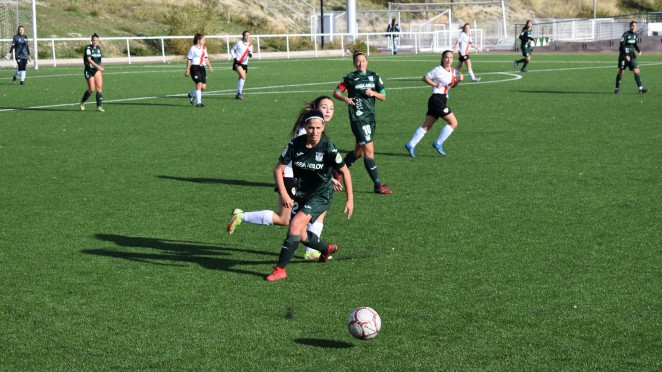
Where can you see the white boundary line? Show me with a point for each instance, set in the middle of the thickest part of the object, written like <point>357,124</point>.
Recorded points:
<point>513,76</point>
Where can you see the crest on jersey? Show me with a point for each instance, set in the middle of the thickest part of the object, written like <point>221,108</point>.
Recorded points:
<point>371,78</point>
<point>319,156</point>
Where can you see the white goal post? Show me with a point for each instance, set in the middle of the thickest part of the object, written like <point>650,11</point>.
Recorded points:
<point>15,13</point>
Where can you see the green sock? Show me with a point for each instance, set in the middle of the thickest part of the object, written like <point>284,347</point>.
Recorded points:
<point>290,246</point>
<point>637,78</point>
<point>86,96</point>
<point>99,99</point>
<point>350,158</point>
<point>371,167</point>
<point>316,243</point>
<point>619,77</point>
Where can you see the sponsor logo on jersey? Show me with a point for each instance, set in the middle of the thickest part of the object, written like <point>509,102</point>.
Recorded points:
<point>308,166</point>
<point>359,112</point>
<point>298,154</point>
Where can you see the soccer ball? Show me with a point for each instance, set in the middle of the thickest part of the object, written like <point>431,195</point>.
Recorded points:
<point>364,323</point>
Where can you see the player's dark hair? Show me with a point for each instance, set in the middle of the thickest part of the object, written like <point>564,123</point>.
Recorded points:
<point>464,27</point>
<point>356,54</point>
<point>18,29</point>
<point>94,35</point>
<point>197,37</point>
<point>526,24</point>
<point>243,34</point>
<point>444,53</point>
<point>633,23</point>
<point>312,105</point>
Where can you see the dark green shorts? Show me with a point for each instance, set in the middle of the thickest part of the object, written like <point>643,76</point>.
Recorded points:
<point>314,206</point>
<point>623,63</point>
<point>526,51</point>
<point>363,132</point>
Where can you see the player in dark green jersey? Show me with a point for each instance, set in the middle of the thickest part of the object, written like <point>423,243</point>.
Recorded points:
<point>628,58</point>
<point>363,87</point>
<point>525,44</point>
<point>21,49</point>
<point>313,157</point>
<point>93,70</point>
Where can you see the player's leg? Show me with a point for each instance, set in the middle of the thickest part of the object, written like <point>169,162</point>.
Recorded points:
<point>315,228</point>
<point>21,69</point>
<point>294,234</point>
<point>526,63</point>
<point>240,82</point>
<point>420,133</point>
<point>637,79</point>
<point>98,83</point>
<point>198,93</point>
<point>90,89</point>
<point>471,71</point>
<point>445,132</point>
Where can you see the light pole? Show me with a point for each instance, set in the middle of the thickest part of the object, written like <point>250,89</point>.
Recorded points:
<point>322,21</point>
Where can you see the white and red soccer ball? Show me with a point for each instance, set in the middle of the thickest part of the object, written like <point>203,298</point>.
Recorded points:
<point>364,323</point>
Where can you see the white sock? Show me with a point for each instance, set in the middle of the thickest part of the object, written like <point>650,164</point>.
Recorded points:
<point>240,85</point>
<point>445,133</point>
<point>258,217</point>
<point>198,96</point>
<point>315,228</point>
<point>192,93</point>
<point>22,75</point>
<point>471,73</point>
<point>418,136</point>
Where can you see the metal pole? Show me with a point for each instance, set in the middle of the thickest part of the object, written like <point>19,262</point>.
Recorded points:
<point>35,57</point>
<point>595,7</point>
<point>322,22</point>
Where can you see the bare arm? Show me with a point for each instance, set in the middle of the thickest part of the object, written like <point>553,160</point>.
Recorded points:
<point>280,183</point>
<point>347,178</point>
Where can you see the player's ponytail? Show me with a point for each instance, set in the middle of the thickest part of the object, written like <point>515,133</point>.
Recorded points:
<point>197,37</point>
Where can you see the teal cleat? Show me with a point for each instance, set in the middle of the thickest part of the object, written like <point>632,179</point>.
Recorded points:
<point>410,148</point>
<point>439,148</point>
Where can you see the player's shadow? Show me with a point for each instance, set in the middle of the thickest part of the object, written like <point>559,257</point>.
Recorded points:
<point>179,253</point>
<point>326,344</point>
<point>148,104</point>
<point>561,92</point>
<point>218,180</point>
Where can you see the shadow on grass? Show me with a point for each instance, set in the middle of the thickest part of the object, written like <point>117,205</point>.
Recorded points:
<point>218,180</point>
<point>327,344</point>
<point>179,253</point>
<point>561,92</point>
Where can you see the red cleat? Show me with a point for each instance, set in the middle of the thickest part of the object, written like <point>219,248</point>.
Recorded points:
<point>383,189</point>
<point>277,274</point>
<point>324,257</point>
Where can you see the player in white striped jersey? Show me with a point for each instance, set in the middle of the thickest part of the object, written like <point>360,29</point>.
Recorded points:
<point>462,46</point>
<point>197,59</point>
<point>241,52</point>
<point>441,79</point>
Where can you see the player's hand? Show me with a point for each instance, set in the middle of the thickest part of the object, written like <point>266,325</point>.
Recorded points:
<point>101,68</point>
<point>350,102</point>
<point>8,56</point>
<point>287,201</point>
<point>460,77</point>
<point>349,208</point>
<point>639,53</point>
<point>337,186</point>
<point>627,58</point>
<point>369,92</point>
<point>211,69</point>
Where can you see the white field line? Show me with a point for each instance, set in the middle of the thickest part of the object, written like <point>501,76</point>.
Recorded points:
<point>259,90</point>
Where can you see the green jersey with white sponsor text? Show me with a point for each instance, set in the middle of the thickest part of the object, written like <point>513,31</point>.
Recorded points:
<point>356,83</point>
<point>312,166</point>
<point>95,54</point>
<point>629,44</point>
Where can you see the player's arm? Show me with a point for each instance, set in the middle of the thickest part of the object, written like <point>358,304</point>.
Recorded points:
<point>188,68</point>
<point>381,95</point>
<point>280,183</point>
<point>347,179</point>
<point>211,69</point>
<point>431,82</point>
<point>338,94</point>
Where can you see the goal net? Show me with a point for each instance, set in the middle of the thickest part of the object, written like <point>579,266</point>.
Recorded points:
<point>14,13</point>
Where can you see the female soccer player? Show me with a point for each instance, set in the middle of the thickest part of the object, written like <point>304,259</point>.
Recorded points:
<point>628,58</point>
<point>195,66</point>
<point>241,52</point>
<point>464,42</point>
<point>313,157</point>
<point>441,79</point>
<point>525,44</point>
<point>21,49</point>
<point>362,88</point>
<point>282,217</point>
<point>93,70</point>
